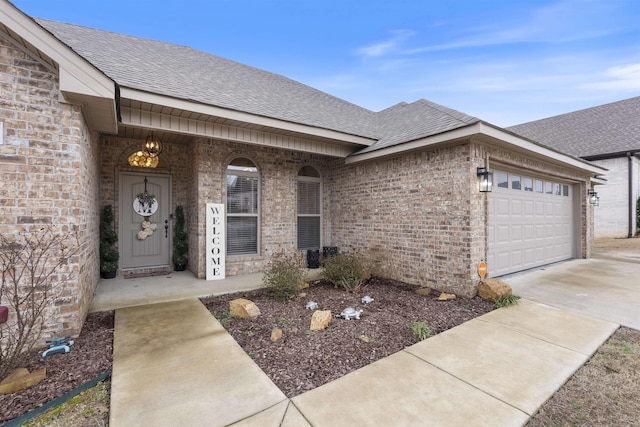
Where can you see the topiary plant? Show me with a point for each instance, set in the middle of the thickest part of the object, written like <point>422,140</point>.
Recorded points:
<point>109,254</point>
<point>180,242</point>
<point>638,215</point>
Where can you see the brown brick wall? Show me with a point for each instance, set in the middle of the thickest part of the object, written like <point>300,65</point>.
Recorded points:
<point>410,215</point>
<point>48,165</point>
<point>419,216</point>
<point>278,170</point>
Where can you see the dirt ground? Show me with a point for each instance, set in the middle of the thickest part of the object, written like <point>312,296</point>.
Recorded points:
<point>617,244</point>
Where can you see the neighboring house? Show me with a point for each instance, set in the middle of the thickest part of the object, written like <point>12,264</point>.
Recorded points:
<point>609,136</point>
<point>295,168</point>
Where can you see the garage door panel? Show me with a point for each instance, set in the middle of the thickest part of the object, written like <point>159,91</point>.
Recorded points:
<point>516,233</point>
<point>516,208</point>
<point>528,207</point>
<point>502,234</point>
<point>502,205</point>
<point>529,228</point>
<point>529,232</point>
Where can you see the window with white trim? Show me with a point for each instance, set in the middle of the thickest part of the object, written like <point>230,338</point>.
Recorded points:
<point>243,195</point>
<point>309,208</point>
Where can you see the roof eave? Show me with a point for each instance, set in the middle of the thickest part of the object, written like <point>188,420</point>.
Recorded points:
<point>492,134</point>
<point>80,82</point>
<point>244,117</point>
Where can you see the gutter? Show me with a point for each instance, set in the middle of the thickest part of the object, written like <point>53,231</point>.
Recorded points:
<point>630,166</point>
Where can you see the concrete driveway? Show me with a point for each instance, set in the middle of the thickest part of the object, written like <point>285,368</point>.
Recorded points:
<point>606,286</point>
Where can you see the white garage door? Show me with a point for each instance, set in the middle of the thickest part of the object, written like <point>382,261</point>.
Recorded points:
<point>530,222</point>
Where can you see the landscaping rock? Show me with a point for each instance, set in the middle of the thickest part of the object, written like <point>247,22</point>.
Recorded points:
<point>493,289</point>
<point>276,334</point>
<point>243,308</point>
<point>446,297</point>
<point>20,379</point>
<point>425,292</point>
<point>320,320</point>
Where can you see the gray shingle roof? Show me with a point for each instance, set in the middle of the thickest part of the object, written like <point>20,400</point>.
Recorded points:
<point>407,122</point>
<point>185,73</point>
<point>606,129</point>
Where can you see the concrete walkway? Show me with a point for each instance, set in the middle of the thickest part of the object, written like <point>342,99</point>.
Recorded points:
<point>175,365</point>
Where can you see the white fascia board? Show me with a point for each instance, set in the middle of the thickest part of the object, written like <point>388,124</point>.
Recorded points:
<point>79,74</point>
<point>180,104</point>
<point>520,142</point>
<point>461,133</point>
<point>597,180</point>
<point>501,138</point>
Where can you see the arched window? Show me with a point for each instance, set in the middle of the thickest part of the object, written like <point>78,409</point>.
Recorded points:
<point>243,206</point>
<point>309,209</point>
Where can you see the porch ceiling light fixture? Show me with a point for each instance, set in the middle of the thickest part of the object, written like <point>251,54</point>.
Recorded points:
<point>593,198</point>
<point>485,180</point>
<point>152,146</point>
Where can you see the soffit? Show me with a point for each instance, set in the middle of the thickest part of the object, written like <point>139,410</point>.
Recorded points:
<point>139,117</point>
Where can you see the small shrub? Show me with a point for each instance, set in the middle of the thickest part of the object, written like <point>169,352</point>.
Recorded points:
<point>507,301</point>
<point>283,276</point>
<point>421,330</point>
<point>346,271</point>
<point>224,317</point>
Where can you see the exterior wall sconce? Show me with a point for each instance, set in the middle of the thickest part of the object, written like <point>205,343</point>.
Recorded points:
<point>593,198</point>
<point>152,146</point>
<point>485,180</point>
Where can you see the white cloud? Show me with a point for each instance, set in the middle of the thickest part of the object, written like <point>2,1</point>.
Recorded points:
<point>621,77</point>
<point>385,47</point>
<point>564,21</point>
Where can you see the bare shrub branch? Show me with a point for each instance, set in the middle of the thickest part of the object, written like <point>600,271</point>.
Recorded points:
<point>30,266</point>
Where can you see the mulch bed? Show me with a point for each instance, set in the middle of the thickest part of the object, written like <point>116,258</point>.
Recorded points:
<point>303,360</point>
<point>90,355</point>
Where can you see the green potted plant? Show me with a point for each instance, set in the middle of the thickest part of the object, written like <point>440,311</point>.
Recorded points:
<point>109,254</point>
<point>180,242</point>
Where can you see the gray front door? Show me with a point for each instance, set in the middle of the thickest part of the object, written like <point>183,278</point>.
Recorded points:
<point>138,250</point>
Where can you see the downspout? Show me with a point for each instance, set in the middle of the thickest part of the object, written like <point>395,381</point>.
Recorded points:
<point>630,191</point>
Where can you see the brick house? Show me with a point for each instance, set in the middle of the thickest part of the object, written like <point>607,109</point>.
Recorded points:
<point>607,135</point>
<point>296,168</point>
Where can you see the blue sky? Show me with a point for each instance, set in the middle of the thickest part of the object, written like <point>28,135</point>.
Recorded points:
<point>504,61</point>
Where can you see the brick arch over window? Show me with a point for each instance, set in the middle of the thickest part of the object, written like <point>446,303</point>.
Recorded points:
<point>309,208</point>
<point>243,206</point>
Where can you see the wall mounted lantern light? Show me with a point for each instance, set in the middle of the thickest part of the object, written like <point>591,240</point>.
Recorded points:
<point>152,146</point>
<point>485,180</point>
<point>593,198</point>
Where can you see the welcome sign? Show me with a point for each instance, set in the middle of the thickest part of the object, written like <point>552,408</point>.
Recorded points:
<point>216,241</point>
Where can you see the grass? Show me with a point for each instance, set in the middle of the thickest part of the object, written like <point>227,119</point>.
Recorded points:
<point>89,408</point>
<point>604,392</point>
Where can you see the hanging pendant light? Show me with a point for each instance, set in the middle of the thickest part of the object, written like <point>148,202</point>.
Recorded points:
<point>152,146</point>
